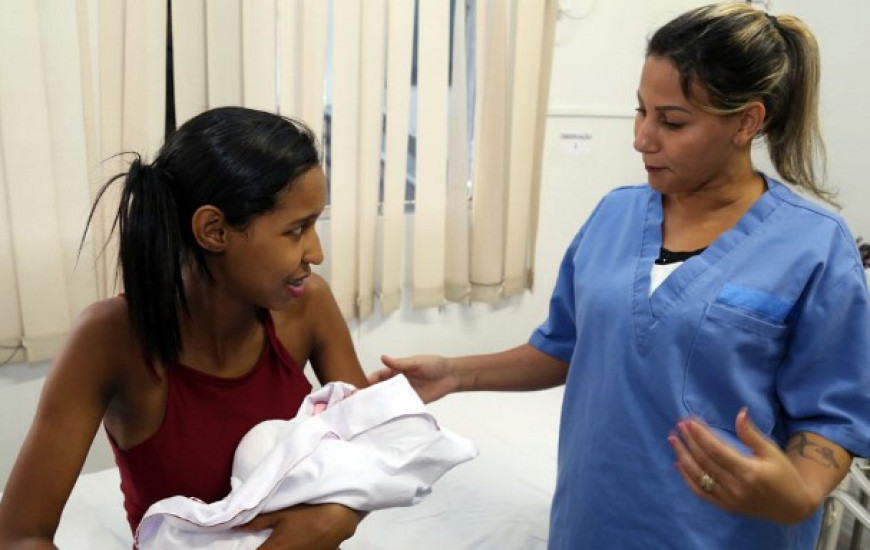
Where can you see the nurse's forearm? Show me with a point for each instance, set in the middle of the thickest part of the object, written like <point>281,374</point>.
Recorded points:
<point>821,463</point>
<point>517,369</point>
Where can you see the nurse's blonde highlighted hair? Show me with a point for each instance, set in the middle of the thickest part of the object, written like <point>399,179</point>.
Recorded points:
<point>738,54</point>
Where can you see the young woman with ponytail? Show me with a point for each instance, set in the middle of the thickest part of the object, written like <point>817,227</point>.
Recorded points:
<point>219,314</point>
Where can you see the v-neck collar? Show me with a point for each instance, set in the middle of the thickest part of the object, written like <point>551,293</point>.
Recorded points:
<point>649,310</point>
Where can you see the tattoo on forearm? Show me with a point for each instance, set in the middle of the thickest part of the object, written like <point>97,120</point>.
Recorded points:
<point>819,454</point>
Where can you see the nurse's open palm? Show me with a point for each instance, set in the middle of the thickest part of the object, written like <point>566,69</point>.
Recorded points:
<point>428,375</point>
<point>765,485</point>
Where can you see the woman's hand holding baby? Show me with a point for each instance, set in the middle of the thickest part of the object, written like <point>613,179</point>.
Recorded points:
<point>306,527</point>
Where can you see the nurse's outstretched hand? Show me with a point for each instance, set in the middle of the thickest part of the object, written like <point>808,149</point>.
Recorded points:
<point>768,484</point>
<point>429,375</point>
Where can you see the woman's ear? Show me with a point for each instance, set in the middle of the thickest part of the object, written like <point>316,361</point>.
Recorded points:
<point>209,228</point>
<point>751,121</point>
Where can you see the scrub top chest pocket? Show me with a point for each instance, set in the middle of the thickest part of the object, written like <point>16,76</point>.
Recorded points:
<point>740,342</point>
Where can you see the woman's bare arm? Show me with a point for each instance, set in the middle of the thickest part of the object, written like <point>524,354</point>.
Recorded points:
<point>333,356</point>
<point>72,404</point>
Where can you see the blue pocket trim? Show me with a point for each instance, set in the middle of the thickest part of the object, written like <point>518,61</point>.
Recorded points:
<point>755,301</point>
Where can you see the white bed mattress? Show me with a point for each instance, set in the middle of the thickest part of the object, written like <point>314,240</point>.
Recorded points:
<point>500,500</point>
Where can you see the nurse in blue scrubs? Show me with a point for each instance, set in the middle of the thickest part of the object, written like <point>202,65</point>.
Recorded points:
<point>712,326</point>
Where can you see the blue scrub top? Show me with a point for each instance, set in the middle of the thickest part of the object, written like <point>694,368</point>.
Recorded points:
<point>773,315</point>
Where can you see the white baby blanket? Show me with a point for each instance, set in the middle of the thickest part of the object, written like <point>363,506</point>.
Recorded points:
<point>368,449</point>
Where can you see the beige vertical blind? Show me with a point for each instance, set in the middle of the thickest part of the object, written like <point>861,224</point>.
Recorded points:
<point>492,139</point>
<point>371,104</point>
<point>456,279</point>
<point>315,20</point>
<point>399,57</point>
<point>78,82</point>
<point>129,107</point>
<point>189,59</point>
<point>472,229</point>
<point>528,107</point>
<point>108,102</point>
<point>433,46</point>
<point>34,277</point>
<point>223,47</point>
<point>452,120</point>
<point>259,54</point>
<point>268,55</point>
<point>344,152</point>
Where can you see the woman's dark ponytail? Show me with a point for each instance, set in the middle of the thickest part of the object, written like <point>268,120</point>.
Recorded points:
<point>151,256</point>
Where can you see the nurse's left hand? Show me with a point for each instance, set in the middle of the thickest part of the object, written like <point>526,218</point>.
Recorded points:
<point>306,527</point>
<point>769,484</point>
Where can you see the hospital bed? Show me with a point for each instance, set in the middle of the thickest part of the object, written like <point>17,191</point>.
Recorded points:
<point>846,517</point>
<point>500,500</point>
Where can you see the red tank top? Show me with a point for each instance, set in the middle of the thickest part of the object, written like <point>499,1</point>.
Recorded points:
<point>191,454</point>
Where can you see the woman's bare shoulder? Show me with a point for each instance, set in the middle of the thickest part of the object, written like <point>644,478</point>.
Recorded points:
<point>103,330</point>
<point>317,293</point>
<point>110,317</point>
<point>299,325</point>
<point>111,309</point>
<point>317,285</point>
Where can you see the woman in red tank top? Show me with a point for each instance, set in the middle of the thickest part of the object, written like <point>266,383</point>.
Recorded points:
<point>219,315</point>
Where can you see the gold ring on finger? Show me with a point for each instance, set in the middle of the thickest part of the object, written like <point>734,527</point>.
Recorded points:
<point>707,482</point>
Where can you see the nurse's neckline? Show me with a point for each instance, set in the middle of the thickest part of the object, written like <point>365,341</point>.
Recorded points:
<point>670,257</point>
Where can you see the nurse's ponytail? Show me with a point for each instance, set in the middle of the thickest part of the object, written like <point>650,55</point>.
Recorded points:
<point>739,55</point>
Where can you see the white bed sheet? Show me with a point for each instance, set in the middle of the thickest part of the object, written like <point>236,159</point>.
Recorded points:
<point>498,501</point>
<point>94,516</point>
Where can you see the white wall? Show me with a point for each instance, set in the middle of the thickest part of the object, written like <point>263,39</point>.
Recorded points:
<point>841,29</point>
<point>598,59</point>
<point>588,151</point>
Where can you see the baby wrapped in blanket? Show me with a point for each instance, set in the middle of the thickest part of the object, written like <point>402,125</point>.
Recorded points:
<point>367,449</point>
